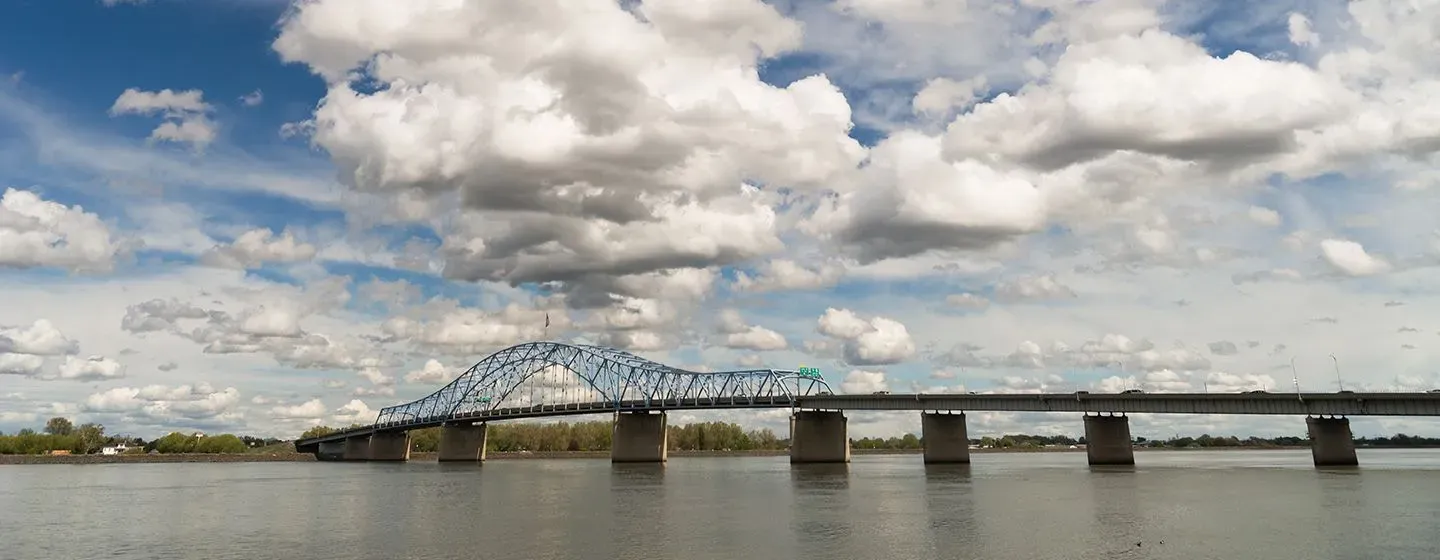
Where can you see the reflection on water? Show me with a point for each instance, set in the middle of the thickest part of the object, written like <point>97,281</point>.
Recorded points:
<point>1116,523</point>
<point>1111,469</point>
<point>820,511</point>
<point>820,476</point>
<point>1172,505</point>
<point>950,513</point>
<point>637,474</point>
<point>941,475</point>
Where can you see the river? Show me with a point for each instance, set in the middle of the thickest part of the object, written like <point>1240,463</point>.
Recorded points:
<point>1174,505</point>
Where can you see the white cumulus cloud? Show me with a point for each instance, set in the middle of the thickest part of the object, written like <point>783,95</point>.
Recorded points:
<point>1351,258</point>
<point>185,112</point>
<point>35,232</point>
<point>873,341</point>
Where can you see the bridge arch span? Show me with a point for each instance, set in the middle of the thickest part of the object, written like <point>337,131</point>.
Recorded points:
<point>598,375</point>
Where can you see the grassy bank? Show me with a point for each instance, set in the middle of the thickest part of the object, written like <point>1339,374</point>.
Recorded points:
<point>157,458</point>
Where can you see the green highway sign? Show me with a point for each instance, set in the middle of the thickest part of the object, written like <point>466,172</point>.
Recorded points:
<point>809,372</point>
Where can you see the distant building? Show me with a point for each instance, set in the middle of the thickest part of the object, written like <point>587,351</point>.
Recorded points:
<point>114,449</point>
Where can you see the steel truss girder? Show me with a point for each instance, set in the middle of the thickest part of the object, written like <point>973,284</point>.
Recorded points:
<point>615,375</point>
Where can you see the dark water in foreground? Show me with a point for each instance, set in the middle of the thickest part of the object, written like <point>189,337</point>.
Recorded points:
<point>1222,505</point>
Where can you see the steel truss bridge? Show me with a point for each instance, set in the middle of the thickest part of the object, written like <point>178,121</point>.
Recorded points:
<point>554,379</point>
<point>543,379</point>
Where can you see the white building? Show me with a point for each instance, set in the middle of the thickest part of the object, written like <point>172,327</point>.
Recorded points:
<point>114,450</point>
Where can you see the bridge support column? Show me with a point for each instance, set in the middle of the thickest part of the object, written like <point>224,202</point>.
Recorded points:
<point>639,437</point>
<point>357,448</point>
<point>462,442</point>
<point>390,446</point>
<point>946,440</point>
<point>1331,443</point>
<point>1107,440</point>
<point>330,451</point>
<point>818,437</point>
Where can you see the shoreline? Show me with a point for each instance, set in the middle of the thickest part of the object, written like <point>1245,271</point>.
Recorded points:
<point>430,456</point>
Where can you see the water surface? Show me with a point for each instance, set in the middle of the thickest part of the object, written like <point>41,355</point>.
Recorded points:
<point>1174,505</point>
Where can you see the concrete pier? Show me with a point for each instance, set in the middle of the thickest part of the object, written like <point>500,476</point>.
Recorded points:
<point>462,442</point>
<point>946,440</point>
<point>819,437</point>
<point>1331,443</point>
<point>639,437</point>
<point>357,448</point>
<point>1107,440</point>
<point>390,446</point>
<point>330,451</point>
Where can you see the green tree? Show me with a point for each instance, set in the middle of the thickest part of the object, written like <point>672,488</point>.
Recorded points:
<point>89,438</point>
<point>176,442</point>
<point>317,431</point>
<point>223,443</point>
<point>58,426</point>
<point>425,440</point>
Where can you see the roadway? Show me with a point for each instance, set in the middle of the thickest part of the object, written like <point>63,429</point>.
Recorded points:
<point>1338,404</point>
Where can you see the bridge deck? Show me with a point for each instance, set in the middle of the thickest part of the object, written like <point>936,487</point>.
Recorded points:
<point>1346,404</point>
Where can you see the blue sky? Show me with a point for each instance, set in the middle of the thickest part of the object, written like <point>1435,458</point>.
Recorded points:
<point>225,52</point>
<point>1001,274</point>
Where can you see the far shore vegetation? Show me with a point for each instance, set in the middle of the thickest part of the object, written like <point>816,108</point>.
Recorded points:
<point>62,436</point>
<point>722,436</point>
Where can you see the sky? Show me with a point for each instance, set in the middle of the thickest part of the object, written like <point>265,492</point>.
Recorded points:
<point>255,216</point>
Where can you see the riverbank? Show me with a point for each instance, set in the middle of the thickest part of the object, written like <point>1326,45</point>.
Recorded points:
<point>157,458</point>
<point>303,457</point>
<point>502,456</point>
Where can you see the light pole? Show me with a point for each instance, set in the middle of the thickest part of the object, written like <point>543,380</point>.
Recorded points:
<point>1294,376</point>
<point>1338,381</point>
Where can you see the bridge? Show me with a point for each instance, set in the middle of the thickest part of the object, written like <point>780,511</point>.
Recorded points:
<point>550,379</point>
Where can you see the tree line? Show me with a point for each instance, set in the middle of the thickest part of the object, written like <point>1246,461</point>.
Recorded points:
<point>61,434</point>
<point>1206,440</point>
<point>911,441</point>
<point>595,436</point>
<point>1026,441</point>
<point>719,436</point>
